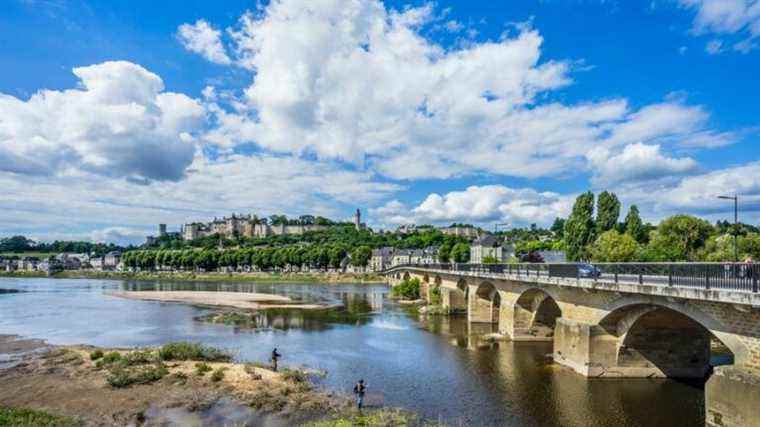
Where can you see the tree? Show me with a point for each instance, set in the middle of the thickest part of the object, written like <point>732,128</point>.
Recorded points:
<point>460,252</point>
<point>612,246</point>
<point>633,225</point>
<point>444,252</point>
<point>490,260</point>
<point>678,238</point>
<point>579,227</point>
<point>558,227</point>
<point>361,255</point>
<point>607,212</point>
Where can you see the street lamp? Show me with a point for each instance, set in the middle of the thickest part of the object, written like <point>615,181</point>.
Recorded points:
<point>735,198</point>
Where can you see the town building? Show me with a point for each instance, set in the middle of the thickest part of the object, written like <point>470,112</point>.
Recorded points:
<point>111,260</point>
<point>252,227</point>
<point>381,258</point>
<point>489,246</point>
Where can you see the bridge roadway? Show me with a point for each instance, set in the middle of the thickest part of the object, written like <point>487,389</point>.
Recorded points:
<point>632,321</point>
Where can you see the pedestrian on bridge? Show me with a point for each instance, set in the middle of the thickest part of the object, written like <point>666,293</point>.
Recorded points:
<point>748,267</point>
<point>275,357</point>
<point>359,390</point>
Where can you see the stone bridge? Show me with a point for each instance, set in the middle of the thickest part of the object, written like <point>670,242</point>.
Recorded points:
<point>619,322</point>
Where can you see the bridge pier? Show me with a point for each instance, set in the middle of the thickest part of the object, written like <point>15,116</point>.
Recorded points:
<point>731,398</point>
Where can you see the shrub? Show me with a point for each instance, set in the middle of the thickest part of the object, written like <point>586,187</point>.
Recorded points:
<point>192,351</point>
<point>218,375</point>
<point>294,375</point>
<point>408,289</point>
<point>121,376</point>
<point>97,354</point>
<point>202,368</point>
<point>109,358</point>
<point>435,295</point>
<point>139,357</point>
<point>33,417</point>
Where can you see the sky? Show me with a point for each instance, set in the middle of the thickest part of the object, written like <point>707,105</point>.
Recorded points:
<point>118,115</point>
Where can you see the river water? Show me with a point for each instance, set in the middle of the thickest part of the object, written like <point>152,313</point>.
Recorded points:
<point>439,367</point>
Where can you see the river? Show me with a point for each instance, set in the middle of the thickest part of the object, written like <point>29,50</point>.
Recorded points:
<point>439,367</point>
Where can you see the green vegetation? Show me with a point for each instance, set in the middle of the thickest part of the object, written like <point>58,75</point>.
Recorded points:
<point>97,354</point>
<point>192,351</point>
<point>435,295</point>
<point>579,228</point>
<point>25,417</point>
<point>460,252</point>
<point>108,359</point>
<point>121,376</point>
<point>201,368</point>
<point>612,246</point>
<point>377,418</point>
<point>218,375</point>
<point>21,246</point>
<point>408,289</point>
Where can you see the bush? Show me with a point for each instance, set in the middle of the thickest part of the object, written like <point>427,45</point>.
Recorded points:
<point>97,354</point>
<point>192,351</point>
<point>202,368</point>
<point>408,289</point>
<point>33,417</point>
<point>218,375</point>
<point>435,295</point>
<point>294,375</point>
<point>109,358</point>
<point>121,377</point>
<point>139,357</point>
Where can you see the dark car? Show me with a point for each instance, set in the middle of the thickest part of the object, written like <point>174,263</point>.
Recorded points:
<point>588,271</point>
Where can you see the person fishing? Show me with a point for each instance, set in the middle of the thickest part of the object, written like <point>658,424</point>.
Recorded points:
<point>359,390</point>
<point>275,356</point>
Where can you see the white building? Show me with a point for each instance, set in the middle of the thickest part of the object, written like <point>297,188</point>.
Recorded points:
<point>488,246</point>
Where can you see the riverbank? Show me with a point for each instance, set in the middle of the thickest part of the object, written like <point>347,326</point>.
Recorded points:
<point>242,300</point>
<point>92,386</point>
<point>312,277</point>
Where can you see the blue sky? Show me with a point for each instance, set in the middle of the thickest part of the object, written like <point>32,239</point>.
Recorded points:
<point>118,115</point>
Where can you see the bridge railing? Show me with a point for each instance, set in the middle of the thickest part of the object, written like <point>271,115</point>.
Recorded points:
<point>726,276</point>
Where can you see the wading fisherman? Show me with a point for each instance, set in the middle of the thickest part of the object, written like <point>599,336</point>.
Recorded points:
<point>359,390</point>
<point>275,356</point>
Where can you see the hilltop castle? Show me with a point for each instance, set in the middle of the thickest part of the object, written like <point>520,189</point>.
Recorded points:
<point>253,226</point>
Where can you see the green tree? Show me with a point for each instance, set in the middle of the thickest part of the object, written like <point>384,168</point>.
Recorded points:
<point>444,252</point>
<point>361,255</point>
<point>490,260</point>
<point>607,212</point>
<point>558,227</point>
<point>612,246</point>
<point>460,252</point>
<point>678,238</point>
<point>634,227</point>
<point>579,227</point>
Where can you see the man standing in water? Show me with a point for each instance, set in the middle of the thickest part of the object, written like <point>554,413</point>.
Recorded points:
<point>275,356</point>
<point>359,390</point>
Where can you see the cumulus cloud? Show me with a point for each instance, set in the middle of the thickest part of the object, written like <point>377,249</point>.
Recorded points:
<point>727,17</point>
<point>119,123</point>
<point>481,205</point>
<point>636,163</point>
<point>118,235</point>
<point>204,40</point>
<point>233,183</point>
<point>362,84</point>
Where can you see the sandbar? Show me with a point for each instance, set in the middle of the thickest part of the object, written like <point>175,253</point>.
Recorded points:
<point>243,300</point>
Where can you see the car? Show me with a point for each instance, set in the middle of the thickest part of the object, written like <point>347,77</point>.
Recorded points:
<point>588,271</point>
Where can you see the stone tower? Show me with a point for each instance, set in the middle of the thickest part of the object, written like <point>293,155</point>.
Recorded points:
<point>358,219</point>
<point>161,230</point>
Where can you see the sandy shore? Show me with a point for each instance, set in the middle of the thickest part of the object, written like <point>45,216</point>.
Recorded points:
<point>244,300</point>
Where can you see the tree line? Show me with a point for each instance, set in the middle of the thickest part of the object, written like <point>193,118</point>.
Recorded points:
<point>597,235</point>
<point>24,244</point>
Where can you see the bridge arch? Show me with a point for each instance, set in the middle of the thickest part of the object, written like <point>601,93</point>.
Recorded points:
<point>535,315</point>
<point>657,340</point>
<point>484,304</point>
<point>720,331</point>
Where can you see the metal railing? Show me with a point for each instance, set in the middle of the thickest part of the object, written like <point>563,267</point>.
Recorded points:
<point>724,276</point>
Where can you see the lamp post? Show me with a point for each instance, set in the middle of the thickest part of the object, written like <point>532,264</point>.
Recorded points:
<point>735,198</point>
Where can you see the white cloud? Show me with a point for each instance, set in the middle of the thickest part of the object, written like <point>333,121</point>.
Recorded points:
<point>727,17</point>
<point>360,83</point>
<point>120,123</point>
<point>481,205</point>
<point>636,163</point>
<point>203,39</point>
<point>118,235</point>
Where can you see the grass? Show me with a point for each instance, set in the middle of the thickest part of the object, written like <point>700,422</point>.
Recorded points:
<point>24,417</point>
<point>376,418</point>
<point>294,375</point>
<point>186,276</point>
<point>192,351</point>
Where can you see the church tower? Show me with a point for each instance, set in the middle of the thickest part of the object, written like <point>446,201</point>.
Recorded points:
<point>358,219</point>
